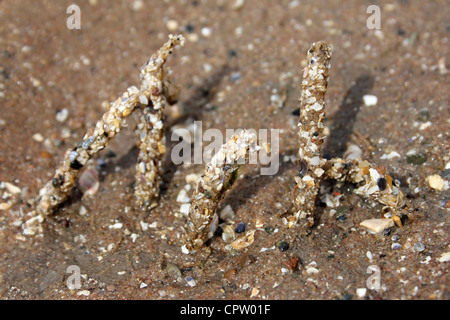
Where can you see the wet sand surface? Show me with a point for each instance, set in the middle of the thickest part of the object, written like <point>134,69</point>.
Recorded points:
<point>241,67</point>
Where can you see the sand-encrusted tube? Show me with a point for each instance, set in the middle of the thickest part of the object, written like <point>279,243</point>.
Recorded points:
<point>59,187</point>
<point>150,134</point>
<point>150,129</point>
<point>219,175</point>
<point>310,134</point>
<point>372,180</point>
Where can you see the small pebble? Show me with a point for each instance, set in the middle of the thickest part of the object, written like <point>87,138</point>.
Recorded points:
<point>240,228</point>
<point>230,274</point>
<point>254,292</point>
<point>227,213</point>
<point>184,208</point>
<point>86,143</point>
<point>153,225</point>
<point>312,270</point>
<point>445,257</point>
<point>235,76</point>
<point>162,293</point>
<point>12,188</point>
<point>382,183</point>
<point>62,115</point>
<point>238,4</point>
<point>424,115</point>
<point>73,155</point>
<point>189,28</point>
<point>228,233</point>
<point>5,206</point>
<point>419,246</point>
<point>143,99</point>
<point>172,25</point>
<point>82,211</point>
<point>303,168</point>
<point>35,82</point>
<point>111,288</point>
<point>232,53</point>
<point>213,226</point>
<point>436,182</point>
<point>276,99</point>
<point>184,249</point>
<point>283,246</point>
<point>117,225</point>
<point>284,270</point>
<point>190,281</point>
<point>377,225</point>
<point>269,229</point>
<point>414,158</point>
<point>191,178</point>
<point>361,292</point>
<point>442,66</point>
<point>206,32</point>
<point>391,155</point>
<point>314,161</point>
<point>353,152</point>
<point>259,223</point>
<point>370,100</point>
<point>396,246</point>
<point>183,197</point>
<point>427,259</point>
<point>317,106</point>
<point>38,137</point>
<point>425,125</point>
<point>138,5</point>
<point>84,293</point>
<point>245,241</point>
<point>192,37</point>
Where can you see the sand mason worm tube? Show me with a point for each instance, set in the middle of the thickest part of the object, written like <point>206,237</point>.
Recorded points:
<point>219,175</point>
<point>310,134</point>
<point>150,128</point>
<point>59,187</point>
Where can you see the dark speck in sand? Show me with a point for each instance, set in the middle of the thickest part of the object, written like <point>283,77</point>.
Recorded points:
<point>240,228</point>
<point>283,246</point>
